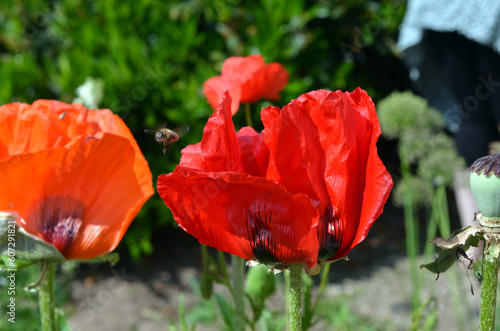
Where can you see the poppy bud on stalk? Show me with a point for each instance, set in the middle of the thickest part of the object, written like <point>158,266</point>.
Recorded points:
<point>485,185</point>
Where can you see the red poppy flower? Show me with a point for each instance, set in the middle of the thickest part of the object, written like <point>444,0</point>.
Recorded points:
<point>75,176</point>
<point>248,79</point>
<point>312,181</point>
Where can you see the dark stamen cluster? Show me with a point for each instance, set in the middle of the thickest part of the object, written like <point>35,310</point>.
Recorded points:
<point>262,240</point>
<point>329,233</point>
<point>58,219</point>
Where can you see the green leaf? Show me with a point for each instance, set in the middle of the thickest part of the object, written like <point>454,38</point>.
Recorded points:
<point>226,310</point>
<point>112,258</point>
<point>182,313</point>
<point>443,262</point>
<point>453,249</point>
<point>18,264</point>
<point>16,243</point>
<point>425,316</point>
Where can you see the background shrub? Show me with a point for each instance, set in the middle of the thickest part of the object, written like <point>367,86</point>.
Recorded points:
<point>153,57</point>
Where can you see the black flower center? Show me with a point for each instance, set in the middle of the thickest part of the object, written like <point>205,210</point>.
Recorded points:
<point>261,240</point>
<point>329,233</point>
<point>58,220</point>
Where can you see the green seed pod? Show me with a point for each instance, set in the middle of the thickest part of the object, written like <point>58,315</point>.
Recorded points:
<point>485,184</point>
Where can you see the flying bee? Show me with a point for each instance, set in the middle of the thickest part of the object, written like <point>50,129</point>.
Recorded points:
<point>167,136</point>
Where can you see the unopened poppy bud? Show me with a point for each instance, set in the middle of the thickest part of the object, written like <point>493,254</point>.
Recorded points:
<point>206,286</point>
<point>485,184</point>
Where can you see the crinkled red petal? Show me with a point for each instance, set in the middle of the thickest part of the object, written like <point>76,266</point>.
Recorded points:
<point>254,152</point>
<point>219,145</point>
<point>219,148</point>
<point>378,182</point>
<point>246,216</point>
<point>323,144</point>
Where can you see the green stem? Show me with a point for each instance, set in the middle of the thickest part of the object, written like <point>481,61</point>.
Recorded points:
<point>295,313</point>
<point>322,284</point>
<point>444,225</point>
<point>248,115</point>
<point>444,228</point>
<point>286,276</point>
<point>46,299</point>
<point>237,281</point>
<point>488,290</point>
<point>432,229</point>
<point>222,269</point>
<point>411,230</point>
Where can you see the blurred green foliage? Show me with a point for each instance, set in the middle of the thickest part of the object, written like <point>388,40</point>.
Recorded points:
<point>332,314</point>
<point>423,143</point>
<point>405,113</point>
<point>27,316</point>
<point>153,57</point>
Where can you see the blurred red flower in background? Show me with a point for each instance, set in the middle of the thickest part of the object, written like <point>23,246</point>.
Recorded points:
<point>248,80</point>
<point>75,176</point>
<point>305,190</point>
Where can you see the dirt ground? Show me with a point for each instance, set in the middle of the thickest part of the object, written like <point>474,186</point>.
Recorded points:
<point>375,283</point>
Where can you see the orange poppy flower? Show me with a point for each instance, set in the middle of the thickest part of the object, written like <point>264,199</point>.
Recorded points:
<point>75,176</point>
<point>248,79</point>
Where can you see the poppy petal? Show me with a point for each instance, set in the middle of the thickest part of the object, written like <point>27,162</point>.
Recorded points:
<point>266,83</point>
<point>254,152</point>
<point>192,157</point>
<point>92,185</point>
<point>323,144</point>
<point>219,149</point>
<point>264,222</point>
<point>19,124</point>
<point>248,79</point>
<point>239,69</point>
<point>54,124</point>
<point>296,159</point>
<point>214,89</point>
<point>379,183</point>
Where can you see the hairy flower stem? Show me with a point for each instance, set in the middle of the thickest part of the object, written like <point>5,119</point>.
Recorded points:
<point>489,287</point>
<point>248,115</point>
<point>238,283</point>
<point>295,313</point>
<point>46,299</point>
